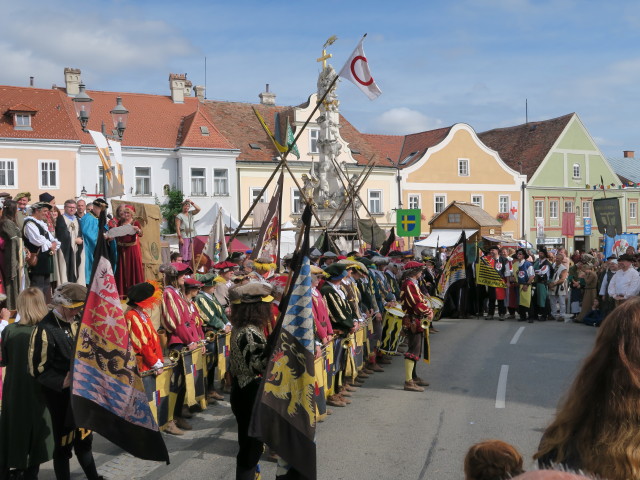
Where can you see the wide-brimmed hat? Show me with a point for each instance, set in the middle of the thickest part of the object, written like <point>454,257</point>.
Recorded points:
<point>252,292</point>
<point>175,269</point>
<point>414,264</point>
<point>336,271</point>
<point>22,195</point>
<point>329,255</point>
<point>101,202</point>
<point>190,283</point>
<point>69,295</point>
<point>208,279</point>
<point>225,266</point>
<point>41,205</point>
<point>625,257</point>
<point>315,270</point>
<point>145,294</point>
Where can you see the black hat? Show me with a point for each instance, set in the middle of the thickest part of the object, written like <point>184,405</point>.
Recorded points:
<point>46,197</point>
<point>336,271</point>
<point>625,257</point>
<point>139,292</point>
<point>101,202</point>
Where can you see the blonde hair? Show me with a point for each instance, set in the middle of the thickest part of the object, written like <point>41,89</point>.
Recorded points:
<point>31,306</point>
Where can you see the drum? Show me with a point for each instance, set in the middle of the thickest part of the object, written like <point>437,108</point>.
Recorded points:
<point>391,329</point>
<point>437,305</point>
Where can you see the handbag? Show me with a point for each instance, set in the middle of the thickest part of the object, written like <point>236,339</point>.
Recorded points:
<point>32,258</point>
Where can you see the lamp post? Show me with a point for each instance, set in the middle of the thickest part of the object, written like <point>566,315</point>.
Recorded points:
<point>119,115</point>
<point>398,180</point>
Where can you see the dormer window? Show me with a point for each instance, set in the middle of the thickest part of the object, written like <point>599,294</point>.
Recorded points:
<point>21,115</point>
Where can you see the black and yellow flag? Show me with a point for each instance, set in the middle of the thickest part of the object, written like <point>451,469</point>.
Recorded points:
<point>485,275</point>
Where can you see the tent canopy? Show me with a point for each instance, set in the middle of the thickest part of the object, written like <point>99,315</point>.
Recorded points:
<point>441,237</point>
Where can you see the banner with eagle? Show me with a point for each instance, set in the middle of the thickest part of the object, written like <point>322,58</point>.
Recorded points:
<point>284,416</point>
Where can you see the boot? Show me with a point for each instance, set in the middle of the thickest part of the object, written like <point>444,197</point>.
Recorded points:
<point>344,399</point>
<point>186,413</point>
<point>384,360</point>
<point>410,386</point>
<point>335,401</point>
<point>345,393</point>
<point>362,374</point>
<point>375,367</point>
<point>215,395</point>
<point>420,382</point>
<point>172,429</point>
<point>182,423</point>
<point>368,370</point>
<point>349,388</point>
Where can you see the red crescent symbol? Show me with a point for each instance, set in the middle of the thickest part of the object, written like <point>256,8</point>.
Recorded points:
<point>353,70</point>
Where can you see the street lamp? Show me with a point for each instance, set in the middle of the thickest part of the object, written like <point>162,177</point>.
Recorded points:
<point>82,104</point>
<point>120,116</point>
<point>398,179</point>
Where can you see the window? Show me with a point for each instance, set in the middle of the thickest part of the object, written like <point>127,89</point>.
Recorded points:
<point>503,204</point>
<point>22,121</point>
<point>463,167</point>
<point>7,173</point>
<point>375,201</point>
<point>414,201</point>
<point>553,209</point>
<point>255,191</point>
<point>576,170</point>
<point>296,201</point>
<point>454,218</point>
<point>476,200</point>
<point>143,180</point>
<point>633,210</point>
<point>198,182</point>
<point>586,209</point>
<point>568,206</point>
<point>539,208</point>
<point>220,181</point>
<point>439,203</point>
<point>314,134</point>
<point>48,174</point>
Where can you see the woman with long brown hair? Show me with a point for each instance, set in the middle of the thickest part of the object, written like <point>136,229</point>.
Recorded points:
<point>597,425</point>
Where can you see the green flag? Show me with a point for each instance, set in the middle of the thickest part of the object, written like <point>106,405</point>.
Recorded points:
<point>408,222</point>
<point>290,139</point>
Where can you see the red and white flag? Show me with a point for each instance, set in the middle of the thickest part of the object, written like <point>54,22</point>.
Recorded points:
<point>356,70</point>
<point>513,211</point>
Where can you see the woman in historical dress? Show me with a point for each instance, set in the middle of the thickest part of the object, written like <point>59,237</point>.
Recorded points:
<point>11,253</point>
<point>26,438</point>
<point>589,290</point>
<point>129,271</point>
<point>250,311</point>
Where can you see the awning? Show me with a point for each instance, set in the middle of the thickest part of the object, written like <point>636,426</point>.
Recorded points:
<point>503,240</point>
<point>441,237</point>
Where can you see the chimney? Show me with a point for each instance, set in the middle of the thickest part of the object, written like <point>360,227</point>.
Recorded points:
<point>188,86</point>
<point>267,98</point>
<point>72,81</point>
<point>177,83</point>
<point>628,153</point>
<point>31,81</point>
<point>199,91</point>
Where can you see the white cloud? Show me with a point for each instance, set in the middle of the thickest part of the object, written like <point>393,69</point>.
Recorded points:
<point>402,121</point>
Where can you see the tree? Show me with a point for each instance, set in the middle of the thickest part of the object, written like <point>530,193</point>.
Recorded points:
<point>171,208</point>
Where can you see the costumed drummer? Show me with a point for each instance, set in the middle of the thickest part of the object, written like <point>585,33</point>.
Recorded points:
<point>417,309</point>
<point>51,352</point>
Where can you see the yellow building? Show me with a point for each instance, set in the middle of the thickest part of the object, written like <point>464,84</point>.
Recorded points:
<point>450,164</point>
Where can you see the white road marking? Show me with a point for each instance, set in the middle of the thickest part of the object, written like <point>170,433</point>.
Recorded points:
<point>502,386</point>
<point>516,337</point>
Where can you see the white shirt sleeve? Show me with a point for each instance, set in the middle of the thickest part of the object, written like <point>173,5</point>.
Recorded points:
<point>33,235</point>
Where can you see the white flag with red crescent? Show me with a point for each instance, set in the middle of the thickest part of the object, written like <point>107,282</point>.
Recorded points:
<point>356,70</point>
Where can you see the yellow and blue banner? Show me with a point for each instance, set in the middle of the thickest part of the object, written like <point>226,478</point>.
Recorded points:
<point>408,222</point>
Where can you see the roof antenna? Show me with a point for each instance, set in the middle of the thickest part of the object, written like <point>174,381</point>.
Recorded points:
<point>205,78</point>
<point>526,110</point>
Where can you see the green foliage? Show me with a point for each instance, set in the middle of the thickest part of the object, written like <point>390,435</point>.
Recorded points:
<point>171,208</point>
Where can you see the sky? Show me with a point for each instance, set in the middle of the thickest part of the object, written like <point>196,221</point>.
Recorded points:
<point>437,62</point>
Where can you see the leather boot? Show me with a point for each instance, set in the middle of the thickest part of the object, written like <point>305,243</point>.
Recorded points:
<point>375,367</point>
<point>335,401</point>
<point>185,412</point>
<point>172,429</point>
<point>183,424</point>
<point>410,386</point>
<point>420,382</point>
<point>384,360</point>
<point>344,399</point>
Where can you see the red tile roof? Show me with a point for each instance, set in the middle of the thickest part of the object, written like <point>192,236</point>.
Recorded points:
<point>389,146</point>
<point>21,107</point>
<point>52,120</point>
<point>528,143</point>
<point>418,144</point>
<point>154,120</point>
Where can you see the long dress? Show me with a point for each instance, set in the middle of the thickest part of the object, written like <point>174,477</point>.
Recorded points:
<point>129,271</point>
<point>11,260</point>
<point>89,225</point>
<point>26,438</point>
<point>590,283</point>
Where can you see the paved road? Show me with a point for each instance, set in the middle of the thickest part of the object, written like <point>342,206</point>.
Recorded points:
<point>489,379</point>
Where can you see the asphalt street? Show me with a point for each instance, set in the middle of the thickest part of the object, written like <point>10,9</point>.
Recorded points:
<point>489,379</point>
